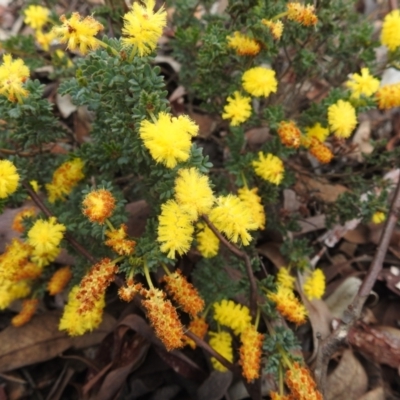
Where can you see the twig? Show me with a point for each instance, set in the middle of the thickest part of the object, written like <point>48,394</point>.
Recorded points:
<point>338,337</point>
<point>242,255</point>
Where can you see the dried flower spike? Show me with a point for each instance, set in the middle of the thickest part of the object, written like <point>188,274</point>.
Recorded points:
<point>289,134</point>
<point>250,353</point>
<point>28,310</point>
<point>59,280</point>
<point>129,291</point>
<point>199,327</point>
<point>98,205</point>
<point>117,240</point>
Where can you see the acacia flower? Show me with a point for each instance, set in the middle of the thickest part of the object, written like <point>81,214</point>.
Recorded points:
<point>378,217</point>
<point>238,109</point>
<point>243,45</point>
<point>143,27</point>
<point>10,291</point>
<point>390,35</point>
<point>79,33</point>
<point>250,352</point>
<point>59,280</point>
<point>276,27</point>
<point>269,167</point>
<point>285,279</point>
<point>363,84</point>
<point>232,217</point>
<point>164,318</point>
<point>301,384</point>
<point>13,258</point>
<point>277,396</point>
<point>207,242</point>
<point>302,14</point>
<point>76,323</point>
<point>175,230</point>
<point>388,96</point>
<point>169,138</point>
<point>259,81</point>
<point>288,305</point>
<point>289,134</point>
<point>117,240</point>
<point>12,75</point>
<point>17,224</point>
<point>321,152</point>
<point>342,118</point>
<point>129,291</point>
<point>45,237</point>
<point>36,16</point>
<point>28,310</point>
<point>27,270</point>
<point>45,39</point>
<point>9,178</point>
<point>221,342</point>
<point>233,315</point>
<point>314,286</point>
<point>184,293</point>
<point>317,131</point>
<point>199,327</point>
<point>94,284</point>
<point>193,192</point>
<point>98,205</point>
<point>254,204</point>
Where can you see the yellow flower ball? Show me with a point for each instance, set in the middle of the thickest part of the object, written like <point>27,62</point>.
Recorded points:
<point>9,178</point>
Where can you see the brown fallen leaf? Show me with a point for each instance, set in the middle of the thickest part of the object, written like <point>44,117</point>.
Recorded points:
<point>40,340</point>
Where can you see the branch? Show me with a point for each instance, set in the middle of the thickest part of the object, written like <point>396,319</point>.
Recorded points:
<point>339,336</point>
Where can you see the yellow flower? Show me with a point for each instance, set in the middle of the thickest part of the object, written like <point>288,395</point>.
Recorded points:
<point>175,229</point>
<point>168,139</point>
<point>28,310</point>
<point>289,134</point>
<point>269,167</point>
<point>342,118</point>
<point>276,27</point>
<point>238,109</point>
<point>259,81</point>
<point>45,39</point>
<point>284,278</point>
<point>36,16</point>
<point>12,75</point>
<point>117,240</point>
<point>13,259</point>
<point>244,45</point>
<point>321,152</point>
<point>390,35</point>
<point>59,280</point>
<point>10,291</point>
<point>388,96</point>
<point>317,131</point>
<point>363,83</point>
<point>8,178</point>
<point>233,315</point>
<point>314,286</point>
<point>232,217</point>
<point>78,33</point>
<point>20,216</point>
<point>193,192</point>
<point>221,342</point>
<point>98,205</point>
<point>253,202</point>
<point>304,15</point>
<point>378,217</point>
<point>77,324</point>
<point>250,353</point>
<point>143,27</point>
<point>207,242</point>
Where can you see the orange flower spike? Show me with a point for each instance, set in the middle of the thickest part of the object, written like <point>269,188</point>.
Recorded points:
<point>184,293</point>
<point>128,292</point>
<point>301,383</point>
<point>250,353</point>
<point>27,270</point>
<point>164,319</point>
<point>59,280</point>
<point>98,205</point>
<point>321,152</point>
<point>277,396</point>
<point>118,241</point>
<point>95,283</point>
<point>199,327</point>
<point>19,217</point>
<point>289,134</point>
<point>302,14</point>
<point>27,312</point>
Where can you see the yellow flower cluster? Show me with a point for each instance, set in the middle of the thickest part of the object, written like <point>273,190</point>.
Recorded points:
<point>233,315</point>
<point>98,205</point>
<point>253,202</point>
<point>317,131</point>
<point>199,327</point>
<point>314,286</point>
<point>378,217</point>
<point>362,84</point>
<point>259,81</point>
<point>59,280</point>
<point>238,109</point>
<point>304,15</point>
<point>269,167</point>
<point>36,16</point>
<point>119,242</point>
<point>244,45</point>
<point>9,178</point>
<point>221,342</point>
<point>12,76</point>
<point>390,36</point>
<point>342,118</point>
<point>320,151</point>
<point>388,96</point>
<point>207,242</point>
<point>28,309</point>
<point>276,27</point>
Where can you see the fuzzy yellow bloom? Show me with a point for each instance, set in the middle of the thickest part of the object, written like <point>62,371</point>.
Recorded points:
<point>276,27</point>
<point>269,167</point>
<point>28,310</point>
<point>9,178</point>
<point>284,278</point>
<point>232,217</point>
<point>98,205</point>
<point>199,327</point>
<point>221,342</point>
<point>289,134</point>
<point>390,35</point>
<point>143,27</point>
<point>45,39</point>
<point>36,16</point>
<point>13,259</point>
<point>362,84</point>
<point>388,96</point>
<point>243,45</point>
<point>238,109</point>
<point>45,237</point>
<point>59,280</point>
<point>321,152</point>
<point>169,139</point>
<point>207,242</point>
<point>259,81</point>
<point>78,33</point>
<point>250,353</point>
<point>175,231</point>
<point>12,75</point>
<point>317,131</point>
<point>10,291</point>
<point>76,324</point>
<point>118,241</point>
<point>304,15</point>
<point>233,315</point>
<point>20,216</point>
<point>378,217</point>
<point>193,192</point>
<point>314,286</point>
<point>342,118</point>
<point>254,204</point>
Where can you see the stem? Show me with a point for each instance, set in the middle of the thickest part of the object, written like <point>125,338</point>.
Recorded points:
<point>147,275</point>
<point>166,270</point>
<point>110,225</point>
<point>153,117</point>
<point>106,46</point>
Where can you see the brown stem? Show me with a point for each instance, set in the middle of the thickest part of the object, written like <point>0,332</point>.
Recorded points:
<point>339,336</point>
<point>242,255</point>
